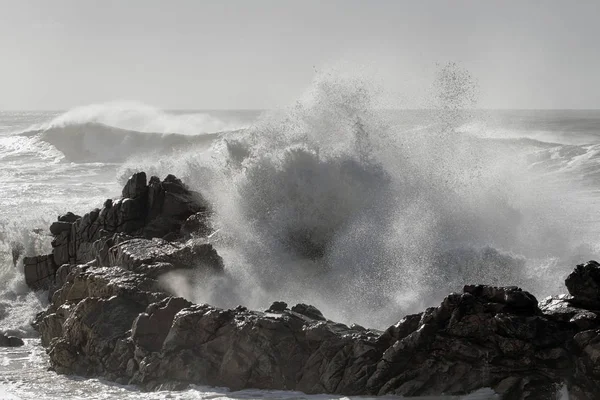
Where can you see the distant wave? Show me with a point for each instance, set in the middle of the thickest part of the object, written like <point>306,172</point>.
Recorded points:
<point>525,142</point>
<point>96,142</point>
<point>112,132</point>
<point>135,116</point>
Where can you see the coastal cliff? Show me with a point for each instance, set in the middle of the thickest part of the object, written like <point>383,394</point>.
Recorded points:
<point>110,317</point>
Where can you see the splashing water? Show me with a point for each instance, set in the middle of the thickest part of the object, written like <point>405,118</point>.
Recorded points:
<point>331,202</point>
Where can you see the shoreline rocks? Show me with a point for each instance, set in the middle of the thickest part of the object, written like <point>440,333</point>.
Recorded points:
<point>155,210</point>
<point>109,317</point>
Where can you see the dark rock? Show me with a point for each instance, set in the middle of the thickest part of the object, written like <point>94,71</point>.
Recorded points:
<point>151,328</point>
<point>59,227</point>
<point>68,217</point>
<point>278,307</point>
<point>512,296</point>
<point>564,308</point>
<point>309,311</point>
<point>135,186</point>
<point>10,341</point>
<point>584,284</point>
<point>39,271</point>
<point>464,344</point>
<point>93,328</point>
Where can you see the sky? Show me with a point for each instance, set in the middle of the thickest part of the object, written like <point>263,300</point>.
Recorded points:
<point>258,54</point>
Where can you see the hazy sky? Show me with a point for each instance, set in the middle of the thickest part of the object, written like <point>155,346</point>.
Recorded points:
<point>262,54</point>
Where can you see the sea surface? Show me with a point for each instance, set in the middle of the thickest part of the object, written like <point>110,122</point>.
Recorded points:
<point>367,213</point>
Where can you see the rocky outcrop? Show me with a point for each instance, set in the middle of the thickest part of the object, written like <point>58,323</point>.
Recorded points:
<point>146,210</point>
<point>110,317</point>
<point>118,324</point>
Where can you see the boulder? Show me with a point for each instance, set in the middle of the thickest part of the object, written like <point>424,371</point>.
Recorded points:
<point>39,271</point>
<point>135,186</point>
<point>10,341</point>
<point>157,256</point>
<point>197,225</point>
<point>584,284</point>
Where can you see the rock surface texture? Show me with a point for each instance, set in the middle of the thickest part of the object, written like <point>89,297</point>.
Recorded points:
<point>109,317</point>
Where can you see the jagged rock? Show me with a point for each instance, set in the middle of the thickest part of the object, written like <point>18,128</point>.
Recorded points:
<point>10,341</point>
<point>586,382</point>
<point>309,311</point>
<point>584,284</point>
<point>39,271</point>
<point>484,337</point>
<point>68,217</point>
<point>278,307</point>
<point>197,225</point>
<point>562,309</point>
<point>135,186</point>
<point>512,296</point>
<point>150,329</point>
<point>93,327</point>
<point>58,227</point>
<point>240,349</point>
<point>156,210</point>
<point>90,281</point>
<point>143,255</point>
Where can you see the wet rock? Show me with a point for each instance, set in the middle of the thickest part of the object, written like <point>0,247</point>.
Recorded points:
<point>135,186</point>
<point>309,311</point>
<point>480,338</point>
<point>39,271</point>
<point>151,327</point>
<point>564,308</point>
<point>90,334</point>
<point>59,227</point>
<point>68,217</point>
<point>141,255</point>
<point>10,341</point>
<point>278,307</point>
<point>197,225</point>
<point>584,284</point>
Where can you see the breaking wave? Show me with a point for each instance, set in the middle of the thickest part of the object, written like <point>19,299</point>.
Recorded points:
<point>113,132</point>
<point>95,142</point>
<point>335,201</point>
<point>330,202</point>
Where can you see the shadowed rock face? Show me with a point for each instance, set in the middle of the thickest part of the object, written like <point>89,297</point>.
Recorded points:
<point>109,317</point>
<point>10,341</point>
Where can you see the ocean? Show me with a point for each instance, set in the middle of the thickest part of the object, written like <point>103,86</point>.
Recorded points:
<point>365,212</point>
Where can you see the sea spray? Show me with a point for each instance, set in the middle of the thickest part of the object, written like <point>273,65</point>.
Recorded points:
<point>330,202</point>
<point>18,304</point>
<point>336,201</point>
